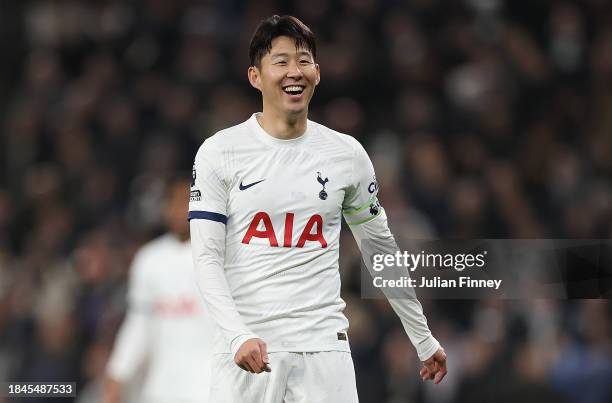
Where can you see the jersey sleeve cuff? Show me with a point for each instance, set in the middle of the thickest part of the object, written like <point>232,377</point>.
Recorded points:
<point>427,348</point>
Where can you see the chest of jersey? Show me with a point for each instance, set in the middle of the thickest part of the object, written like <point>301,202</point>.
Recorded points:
<point>285,198</point>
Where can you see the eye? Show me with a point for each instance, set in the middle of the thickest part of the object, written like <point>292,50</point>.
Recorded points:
<point>305,61</point>
<point>281,63</point>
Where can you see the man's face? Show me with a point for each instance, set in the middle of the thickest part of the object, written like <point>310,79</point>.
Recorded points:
<point>286,77</point>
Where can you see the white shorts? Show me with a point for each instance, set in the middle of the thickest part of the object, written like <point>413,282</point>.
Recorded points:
<point>322,377</point>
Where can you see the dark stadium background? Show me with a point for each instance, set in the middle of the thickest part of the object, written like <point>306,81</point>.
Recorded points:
<point>484,119</point>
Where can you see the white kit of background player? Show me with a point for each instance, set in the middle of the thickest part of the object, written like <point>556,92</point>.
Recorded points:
<point>167,333</point>
<point>265,217</point>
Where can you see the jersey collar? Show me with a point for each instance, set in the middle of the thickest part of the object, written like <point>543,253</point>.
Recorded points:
<point>262,135</point>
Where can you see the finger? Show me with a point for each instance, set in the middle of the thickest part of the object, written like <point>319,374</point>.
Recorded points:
<point>246,363</point>
<point>430,364</point>
<point>253,365</point>
<point>259,364</point>
<point>242,365</point>
<point>442,372</point>
<point>426,374</point>
<point>433,369</point>
<point>440,375</point>
<point>263,347</point>
<point>264,352</point>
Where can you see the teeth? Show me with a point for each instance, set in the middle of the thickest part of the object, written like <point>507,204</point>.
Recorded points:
<point>294,88</point>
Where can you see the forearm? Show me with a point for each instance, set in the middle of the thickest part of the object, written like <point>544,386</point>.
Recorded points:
<point>208,245</point>
<point>374,237</point>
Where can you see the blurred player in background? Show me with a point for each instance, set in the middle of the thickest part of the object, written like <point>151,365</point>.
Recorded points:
<point>166,329</point>
<point>266,203</point>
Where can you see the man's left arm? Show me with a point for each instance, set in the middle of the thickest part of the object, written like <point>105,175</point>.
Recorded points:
<point>368,223</point>
<point>377,235</point>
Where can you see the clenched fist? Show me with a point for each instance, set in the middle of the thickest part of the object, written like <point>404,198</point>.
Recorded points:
<point>434,367</point>
<point>252,356</point>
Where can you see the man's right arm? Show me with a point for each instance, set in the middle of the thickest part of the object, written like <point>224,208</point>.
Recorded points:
<point>208,246</point>
<point>208,217</point>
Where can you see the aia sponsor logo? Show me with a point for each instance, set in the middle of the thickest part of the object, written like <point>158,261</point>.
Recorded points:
<point>312,231</point>
<point>176,307</point>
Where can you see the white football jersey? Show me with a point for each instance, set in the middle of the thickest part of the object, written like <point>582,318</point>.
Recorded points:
<point>282,203</point>
<point>167,327</point>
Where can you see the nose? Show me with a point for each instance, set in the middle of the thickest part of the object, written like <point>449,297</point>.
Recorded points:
<point>294,70</point>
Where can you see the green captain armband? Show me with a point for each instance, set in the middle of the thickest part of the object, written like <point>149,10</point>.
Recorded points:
<point>367,212</point>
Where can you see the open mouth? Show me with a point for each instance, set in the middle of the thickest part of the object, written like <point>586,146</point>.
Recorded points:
<point>294,89</point>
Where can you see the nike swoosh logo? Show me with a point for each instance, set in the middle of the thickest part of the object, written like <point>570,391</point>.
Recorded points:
<point>245,187</point>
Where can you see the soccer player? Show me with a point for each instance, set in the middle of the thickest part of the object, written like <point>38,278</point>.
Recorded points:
<point>266,202</point>
<point>167,332</point>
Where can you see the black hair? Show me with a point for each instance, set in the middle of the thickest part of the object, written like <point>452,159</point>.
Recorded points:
<point>275,26</point>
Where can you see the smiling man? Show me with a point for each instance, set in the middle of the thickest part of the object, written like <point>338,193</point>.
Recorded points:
<point>267,200</point>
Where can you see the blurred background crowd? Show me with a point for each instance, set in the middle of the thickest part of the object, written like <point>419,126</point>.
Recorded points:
<point>484,119</point>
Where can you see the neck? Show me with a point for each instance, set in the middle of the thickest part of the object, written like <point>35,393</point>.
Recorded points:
<point>282,126</point>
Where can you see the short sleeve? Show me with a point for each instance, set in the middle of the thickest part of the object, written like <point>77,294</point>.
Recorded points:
<point>360,202</point>
<point>208,195</point>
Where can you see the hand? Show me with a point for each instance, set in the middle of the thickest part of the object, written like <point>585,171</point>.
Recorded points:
<point>111,390</point>
<point>434,367</point>
<point>252,356</point>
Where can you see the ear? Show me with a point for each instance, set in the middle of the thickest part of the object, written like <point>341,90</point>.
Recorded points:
<point>254,77</point>
<point>318,69</point>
